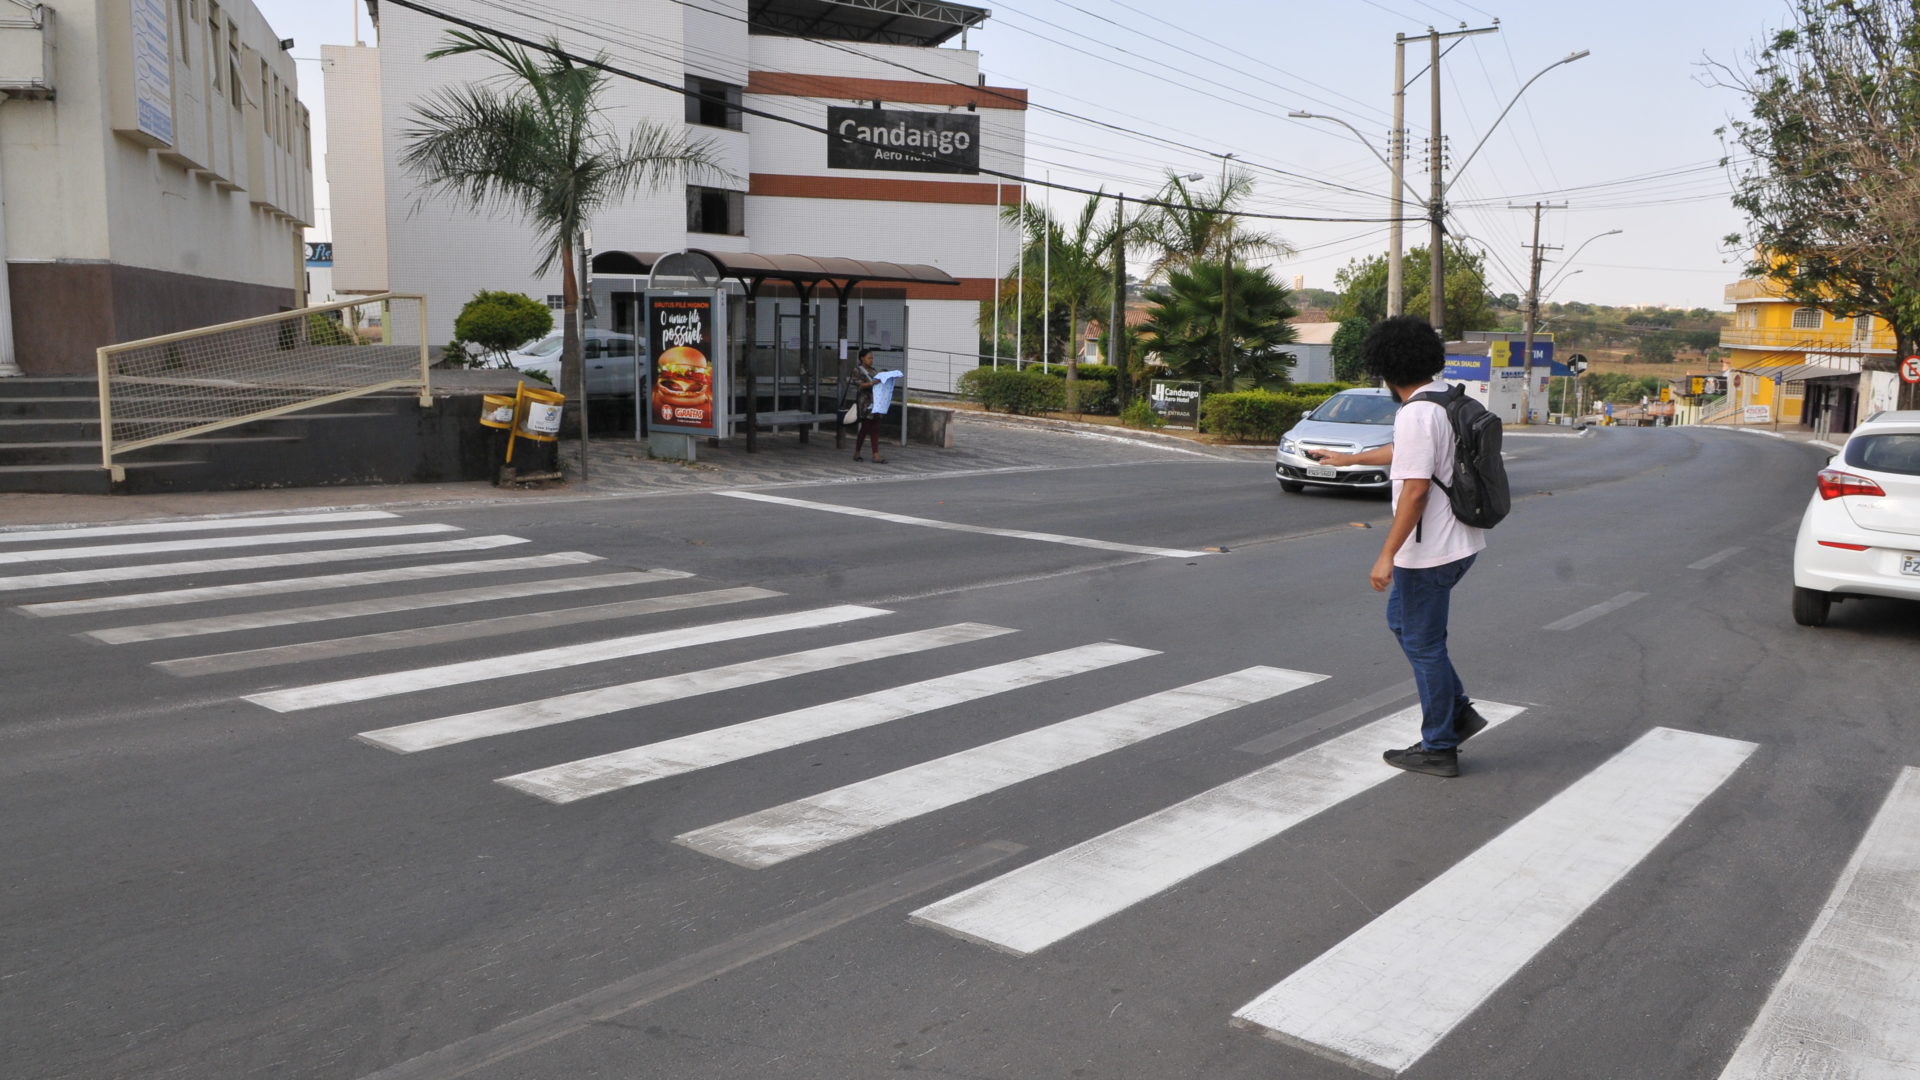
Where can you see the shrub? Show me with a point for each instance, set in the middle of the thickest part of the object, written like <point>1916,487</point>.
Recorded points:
<point>1253,415</point>
<point>499,322</point>
<point>323,328</point>
<point>1139,414</point>
<point>1009,391</point>
<point>1322,390</point>
<point>1096,387</point>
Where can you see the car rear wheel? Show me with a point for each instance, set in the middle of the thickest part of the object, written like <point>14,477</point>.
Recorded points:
<point>1810,606</point>
<point>1292,487</point>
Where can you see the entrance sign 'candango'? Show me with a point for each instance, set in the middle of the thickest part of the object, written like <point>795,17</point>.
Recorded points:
<point>902,141</point>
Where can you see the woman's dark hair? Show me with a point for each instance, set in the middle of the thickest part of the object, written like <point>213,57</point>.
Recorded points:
<point>1403,351</point>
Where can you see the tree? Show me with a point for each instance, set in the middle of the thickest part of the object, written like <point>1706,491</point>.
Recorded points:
<point>1348,366</point>
<point>1075,277</point>
<point>1363,289</point>
<point>1833,146</point>
<point>536,146</point>
<point>1184,325</point>
<point>1199,225</point>
<point>1656,349</point>
<point>500,322</point>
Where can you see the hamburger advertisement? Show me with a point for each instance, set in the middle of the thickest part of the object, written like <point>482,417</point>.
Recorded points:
<point>680,337</point>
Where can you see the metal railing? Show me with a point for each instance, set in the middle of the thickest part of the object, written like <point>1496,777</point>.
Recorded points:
<point>176,386</point>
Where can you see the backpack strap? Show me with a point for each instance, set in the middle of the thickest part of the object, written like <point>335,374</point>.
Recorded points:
<point>1440,398</point>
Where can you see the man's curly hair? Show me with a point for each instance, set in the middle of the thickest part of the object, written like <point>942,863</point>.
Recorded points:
<point>1403,351</point>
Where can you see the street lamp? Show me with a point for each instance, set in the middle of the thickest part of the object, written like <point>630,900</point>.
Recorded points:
<point>1396,209</point>
<point>1576,253</point>
<point>1567,59</point>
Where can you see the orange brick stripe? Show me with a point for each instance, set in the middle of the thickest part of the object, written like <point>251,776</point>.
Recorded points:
<point>970,193</point>
<point>788,84</point>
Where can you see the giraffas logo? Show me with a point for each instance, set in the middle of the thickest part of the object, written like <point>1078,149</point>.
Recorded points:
<point>903,141</point>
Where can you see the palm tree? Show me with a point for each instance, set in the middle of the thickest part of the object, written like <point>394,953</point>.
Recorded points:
<point>1199,225</point>
<point>537,147</point>
<point>1183,328</point>
<point>1079,275</point>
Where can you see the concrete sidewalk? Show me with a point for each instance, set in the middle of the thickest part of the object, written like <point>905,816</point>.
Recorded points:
<point>621,468</point>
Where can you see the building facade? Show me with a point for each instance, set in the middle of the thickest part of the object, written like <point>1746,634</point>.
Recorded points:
<point>884,67</point>
<point>1801,365</point>
<point>155,174</point>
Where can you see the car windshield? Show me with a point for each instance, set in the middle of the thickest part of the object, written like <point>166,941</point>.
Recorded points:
<point>544,347</point>
<point>1357,409</point>
<point>1893,453</point>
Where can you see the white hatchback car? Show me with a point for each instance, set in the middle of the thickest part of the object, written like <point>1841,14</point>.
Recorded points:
<point>1860,535</point>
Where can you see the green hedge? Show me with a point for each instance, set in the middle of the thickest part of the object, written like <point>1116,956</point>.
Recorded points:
<point>1096,383</point>
<point>1012,391</point>
<point>1321,390</point>
<point>1254,415</point>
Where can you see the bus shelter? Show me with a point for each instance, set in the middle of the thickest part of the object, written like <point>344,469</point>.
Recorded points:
<point>785,356</point>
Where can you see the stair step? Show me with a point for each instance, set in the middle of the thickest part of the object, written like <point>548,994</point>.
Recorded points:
<point>79,479</point>
<point>76,451</point>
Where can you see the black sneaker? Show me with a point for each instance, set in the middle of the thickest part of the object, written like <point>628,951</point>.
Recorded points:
<point>1431,762</point>
<point>1468,724</point>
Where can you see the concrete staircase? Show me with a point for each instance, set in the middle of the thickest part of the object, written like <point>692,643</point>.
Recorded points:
<point>50,442</point>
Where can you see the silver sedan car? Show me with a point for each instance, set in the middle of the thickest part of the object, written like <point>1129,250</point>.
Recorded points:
<point>1349,422</point>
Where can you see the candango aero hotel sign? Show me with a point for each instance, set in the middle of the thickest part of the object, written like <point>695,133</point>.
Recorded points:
<point>902,141</point>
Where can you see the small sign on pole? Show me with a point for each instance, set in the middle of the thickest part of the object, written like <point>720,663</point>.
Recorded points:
<point>1910,369</point>
<point>1177,402</point>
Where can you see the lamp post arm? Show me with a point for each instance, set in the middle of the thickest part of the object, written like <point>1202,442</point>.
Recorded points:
<point>1412,194</point>
<point>1576,254</point>
<point>1495,126</point>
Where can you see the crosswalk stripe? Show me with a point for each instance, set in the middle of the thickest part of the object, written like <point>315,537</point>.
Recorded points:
<point>447,730</point>
<point>282,586</point>
<point>784,832</point>
<point>1030,908</point>
<point>528,622</point>
<point>577,780</point>
<point>102,551</point>
<point>954,526</point>
<point>1849,1002</point>
<point>1383,997</point>
<point>204,525</point>
<point>368,687</point>
<point>252,562</point>
<point>380,605</point>
<point>1586,615</point>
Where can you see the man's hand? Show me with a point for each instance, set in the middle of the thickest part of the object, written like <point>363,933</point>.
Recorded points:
<point>1382,573</point>
<point>1329,457</point>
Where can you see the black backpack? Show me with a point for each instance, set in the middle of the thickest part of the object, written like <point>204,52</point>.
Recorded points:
<point>1478,490</point>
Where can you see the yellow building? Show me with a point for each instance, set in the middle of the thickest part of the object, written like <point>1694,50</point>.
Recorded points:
<point>1792,364</point>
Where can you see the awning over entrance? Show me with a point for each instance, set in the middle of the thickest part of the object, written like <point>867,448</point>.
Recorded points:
<point>799,269</point>
<point>1797,373</point>
<point>893,22</point>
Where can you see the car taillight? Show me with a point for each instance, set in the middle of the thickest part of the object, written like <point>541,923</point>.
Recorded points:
<point>1835,484</point>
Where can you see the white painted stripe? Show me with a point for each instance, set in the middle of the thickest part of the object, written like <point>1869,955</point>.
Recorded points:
<point>576,780</point>
<point>442,633</point>
<point>101,551</point>
<point>1849,1002</point>
<point>1064,893</point>
<point>150,528</point>
<point>1716,558</point>
<point>253,562</point>
<point>806,825</point>
<point>281,586</point>
<point>589,652</point>
<point>930,523</point>
<point>1383,997</point>
<point>1587,615</point>
<point>382,605</point>
<point>447,730</point>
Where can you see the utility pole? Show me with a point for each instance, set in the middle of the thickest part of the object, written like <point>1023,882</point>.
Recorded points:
<point>1397,153</point>
<point>1117,319</point>
<point>1437,188</point>
<point>1533,306</point>
<point>1226,287</point>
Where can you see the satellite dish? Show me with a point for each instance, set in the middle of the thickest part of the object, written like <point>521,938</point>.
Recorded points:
<point>685,264</point>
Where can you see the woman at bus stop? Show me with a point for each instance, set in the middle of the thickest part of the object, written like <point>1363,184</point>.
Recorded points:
<point>865,378</point>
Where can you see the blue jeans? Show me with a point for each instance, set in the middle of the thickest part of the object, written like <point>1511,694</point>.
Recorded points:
<point>1417,615</point>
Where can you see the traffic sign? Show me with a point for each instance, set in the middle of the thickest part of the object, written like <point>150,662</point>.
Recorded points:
<point>1910,369</point>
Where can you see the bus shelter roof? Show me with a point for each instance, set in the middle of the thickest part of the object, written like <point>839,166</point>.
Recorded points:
<point>798,269</point>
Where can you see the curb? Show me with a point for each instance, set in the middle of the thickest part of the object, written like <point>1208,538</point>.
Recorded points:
<point>1111,431</point>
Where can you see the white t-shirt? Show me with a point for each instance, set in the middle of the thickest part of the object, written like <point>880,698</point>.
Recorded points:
<point>1423,449</point>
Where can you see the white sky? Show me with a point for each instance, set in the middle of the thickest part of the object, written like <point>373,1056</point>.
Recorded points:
<point>1219,77</point>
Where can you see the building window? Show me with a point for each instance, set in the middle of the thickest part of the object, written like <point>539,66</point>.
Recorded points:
<point>1863,328</point>
<point>213,49</point>
<point>716,211</point>
<point>233,63</point>
<point>186,24</point>
<point>1806,318</point>
<point>556,301</point>
<point>712,103</point>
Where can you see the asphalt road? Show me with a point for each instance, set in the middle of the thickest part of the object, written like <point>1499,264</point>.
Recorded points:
<point>209,875</point>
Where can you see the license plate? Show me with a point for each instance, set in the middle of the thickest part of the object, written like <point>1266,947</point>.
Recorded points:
<point>1910,564</point>
<point>1328,472</point>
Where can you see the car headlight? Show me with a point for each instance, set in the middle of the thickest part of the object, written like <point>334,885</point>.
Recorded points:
<point>1287,446</point>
